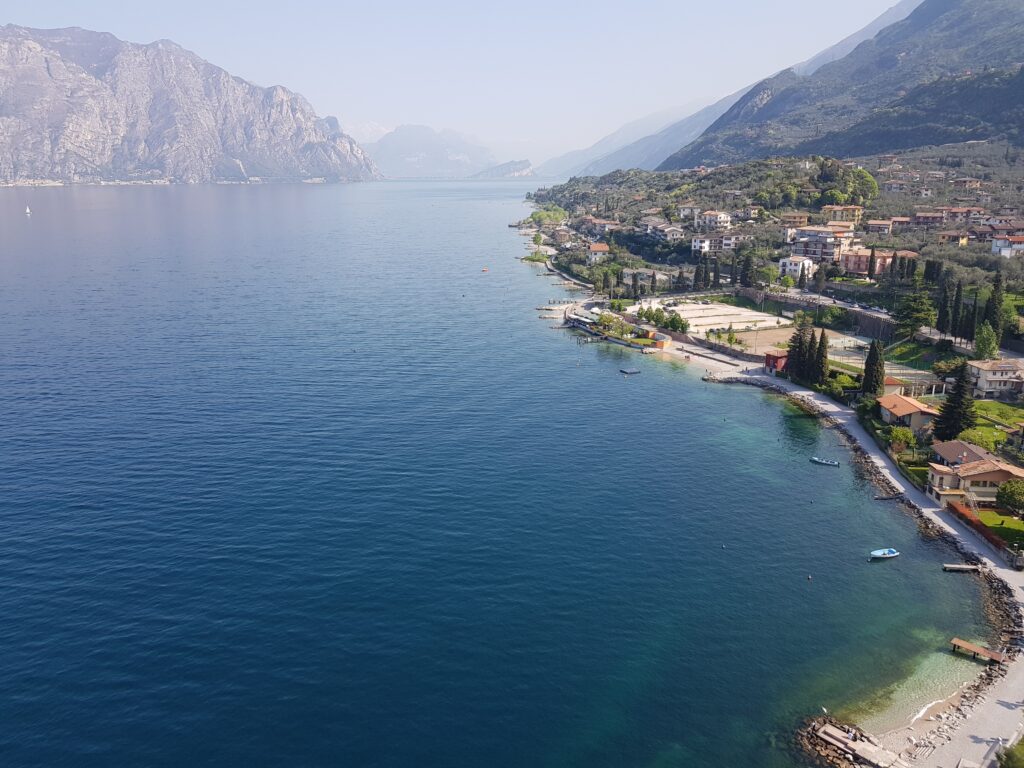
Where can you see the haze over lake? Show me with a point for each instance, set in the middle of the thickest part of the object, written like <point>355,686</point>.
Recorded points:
<point>288,479</point>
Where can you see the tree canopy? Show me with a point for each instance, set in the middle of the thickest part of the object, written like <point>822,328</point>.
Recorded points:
<point>874,370</point>
<point>957,412</point>
<point>915,311</point>
<point>1011,495</point>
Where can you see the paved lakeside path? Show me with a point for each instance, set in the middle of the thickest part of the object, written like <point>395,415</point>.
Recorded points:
<point>997,719</point>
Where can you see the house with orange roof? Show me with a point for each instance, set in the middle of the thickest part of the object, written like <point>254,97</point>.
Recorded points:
<point>893,386</point>
<point>954,237</point>
<point>1007,246</point>
<point>843,212</point>
<point>975,482</point>
<point>929,219</point>
<point>903,411</point>
<point>596,253</point>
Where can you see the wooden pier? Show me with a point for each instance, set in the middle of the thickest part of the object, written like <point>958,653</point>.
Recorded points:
<point>978,651</point>
<point>961,568</point>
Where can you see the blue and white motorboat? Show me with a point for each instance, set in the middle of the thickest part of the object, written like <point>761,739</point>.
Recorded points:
<point>825,462</point>
<point>883,554</point>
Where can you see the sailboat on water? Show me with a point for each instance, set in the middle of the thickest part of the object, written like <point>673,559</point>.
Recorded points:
<point>28,211</point>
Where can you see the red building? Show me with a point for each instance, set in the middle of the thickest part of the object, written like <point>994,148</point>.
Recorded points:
<point>775,361</point>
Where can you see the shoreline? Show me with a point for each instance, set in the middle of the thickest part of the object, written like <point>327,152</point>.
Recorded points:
<point>943,722</point>
<point>938,722</point>
<point>942,730</point>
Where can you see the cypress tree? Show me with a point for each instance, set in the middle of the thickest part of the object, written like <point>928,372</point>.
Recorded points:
<point>718,276</point>
<point>819,278</point>
<point>956,314</point>
<point>871,264</point>
<point>810,359</point>
<point>698,277</point>
<point>734,276</point>
<point>942,321</point>
<point>971,326</point>
<point>957,412</point>
<point>802,282</point>
<point>636,285</point>
<point>874,371</point>
<point>821,360</point>
<point>892,267</point>
<point>797,355</point>
<point>747,272</point>
<point>994,306</point>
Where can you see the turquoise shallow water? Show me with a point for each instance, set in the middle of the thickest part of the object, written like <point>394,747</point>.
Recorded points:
<point>287,478</point>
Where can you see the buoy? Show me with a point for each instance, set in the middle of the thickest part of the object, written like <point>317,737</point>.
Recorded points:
<point>809,577</point>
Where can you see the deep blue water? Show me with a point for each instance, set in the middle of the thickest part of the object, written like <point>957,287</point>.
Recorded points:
<point>286,479</point>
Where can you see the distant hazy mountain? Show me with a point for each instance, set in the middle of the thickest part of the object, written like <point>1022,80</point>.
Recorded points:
<point>572,163</point>
<point>939,39</point>
<point>513,169</point>
<point>649,149</point>
<point>77,105</point>
<point>364,131</point>
<point>898,12</point>
<point>419,152</point>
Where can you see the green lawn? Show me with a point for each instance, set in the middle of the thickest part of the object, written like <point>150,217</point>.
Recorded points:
<point>919,475</point>
<point>845,367</point>
<point>988,428</point>
<point>914,354</point>
<point>1005,412</point>
<point>1007,527</point>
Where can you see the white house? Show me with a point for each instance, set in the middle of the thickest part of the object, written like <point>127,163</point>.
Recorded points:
<point>1008,246</point>
<point>669,233</point>
<point>792,266</point>
<point>712,220</point>
<point>994,378</point>
<point>597,253</point>
<point>716,242</point>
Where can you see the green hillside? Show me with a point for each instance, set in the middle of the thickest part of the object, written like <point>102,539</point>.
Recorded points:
<point>947,111</point>
<point>941,40</point>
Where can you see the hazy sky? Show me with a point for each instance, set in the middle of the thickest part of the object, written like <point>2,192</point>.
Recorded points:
<point>529,79</point>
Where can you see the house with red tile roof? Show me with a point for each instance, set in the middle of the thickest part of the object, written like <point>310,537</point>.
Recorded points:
<point>903,411</point>
<point>975,482</point>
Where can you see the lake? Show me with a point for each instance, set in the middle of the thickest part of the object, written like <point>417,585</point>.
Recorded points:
<point>288,479</point>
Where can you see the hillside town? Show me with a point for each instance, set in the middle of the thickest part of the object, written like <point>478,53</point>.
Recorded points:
<point>889,285</point>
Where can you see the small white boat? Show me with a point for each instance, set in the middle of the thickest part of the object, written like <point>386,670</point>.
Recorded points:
<point>826,462</point>
<point>883,554</point>
<point>28,211</point>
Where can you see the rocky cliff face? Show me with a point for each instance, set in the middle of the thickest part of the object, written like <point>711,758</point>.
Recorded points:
<point>84,106</point>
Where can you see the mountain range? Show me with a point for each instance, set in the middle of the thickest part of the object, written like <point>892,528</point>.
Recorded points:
<point>77,105</point>
<point>628,148</point>
<point>938,44</point>
<point>419,152</point>
<point>513,169</point>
